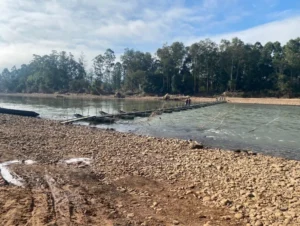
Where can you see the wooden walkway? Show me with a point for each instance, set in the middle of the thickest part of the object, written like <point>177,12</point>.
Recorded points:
<point>146,113</point>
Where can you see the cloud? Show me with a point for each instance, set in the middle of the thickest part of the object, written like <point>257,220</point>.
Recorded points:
<point>282,31</point>
<point>91,26</point>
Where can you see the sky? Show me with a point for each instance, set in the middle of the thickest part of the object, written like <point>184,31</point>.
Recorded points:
<point>30,27</point>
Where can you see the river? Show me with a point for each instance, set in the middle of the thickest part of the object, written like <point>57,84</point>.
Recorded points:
<point>268,129</point>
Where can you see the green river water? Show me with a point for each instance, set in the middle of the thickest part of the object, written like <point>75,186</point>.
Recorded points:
<point>268,129</point>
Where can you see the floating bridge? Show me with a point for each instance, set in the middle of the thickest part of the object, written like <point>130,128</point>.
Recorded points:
<point>111,118</point>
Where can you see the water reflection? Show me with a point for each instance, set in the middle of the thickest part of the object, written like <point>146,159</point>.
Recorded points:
<point>65,108</point>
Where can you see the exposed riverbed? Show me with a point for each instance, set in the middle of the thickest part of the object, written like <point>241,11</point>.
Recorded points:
<point>76,175</point>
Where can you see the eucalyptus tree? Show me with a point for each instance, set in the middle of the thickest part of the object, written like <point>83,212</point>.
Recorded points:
<point>178,54</point>
<point>98,68</point>
<point>117,75</point>
<point>278,58</point>
<point>154,78</point>
<point>167,66</point>
<point>205,62</point>
<point>186,75</point>
<point>45,75</point>
<point>5,80</point>
<point>202,67</point>
<point>196,60</point>
<point>171,59</point>
<point>22,74</point>
<point>266,70</point>
<point>109,59</point>
<point>292,55</point>
<point>102,67</point>
<point>250,76</point>
<point>136,65</point>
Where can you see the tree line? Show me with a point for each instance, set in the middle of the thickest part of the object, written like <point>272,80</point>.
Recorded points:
<point>205,68</point>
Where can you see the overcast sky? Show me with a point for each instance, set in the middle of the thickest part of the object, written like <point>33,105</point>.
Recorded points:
<point>91,26</point>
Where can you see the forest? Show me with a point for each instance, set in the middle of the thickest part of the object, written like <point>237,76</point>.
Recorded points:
<point>203,68</point>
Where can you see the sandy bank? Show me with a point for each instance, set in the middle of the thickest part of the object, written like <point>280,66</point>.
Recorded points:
<point>76,96</point>
<point>139,180</point>
<point>275,101</point>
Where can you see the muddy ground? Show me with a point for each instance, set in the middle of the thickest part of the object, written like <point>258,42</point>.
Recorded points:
<point>138,180</point>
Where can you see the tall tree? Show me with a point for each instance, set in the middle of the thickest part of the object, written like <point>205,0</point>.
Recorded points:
<point>292,54</point>
<point>117,76</point>
<point>172,58</point>
<point>135,63</point>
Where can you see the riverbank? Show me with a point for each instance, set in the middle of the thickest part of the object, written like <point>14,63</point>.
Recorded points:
<point>272,101</point>
<point>138,180</point>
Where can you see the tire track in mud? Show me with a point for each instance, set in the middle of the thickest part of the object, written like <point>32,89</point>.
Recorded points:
<point>15,206</point>
<point>77,205</point>
<point>60,203</point>
<point>24,207</point>
<point>41,209</point>
<point>52,196</point>
<point>61,206</point>
<point>68,205</point>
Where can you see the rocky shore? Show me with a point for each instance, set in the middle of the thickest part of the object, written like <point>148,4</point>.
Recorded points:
<point>138,180</point>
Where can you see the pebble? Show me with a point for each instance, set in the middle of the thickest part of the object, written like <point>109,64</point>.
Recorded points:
<point>238,216</point>
<point>154,204</point>
<point>258,223</point>
<point>130,215</point>
<point>175,222</point>
<point>225,202</point>
<point>206,199</point>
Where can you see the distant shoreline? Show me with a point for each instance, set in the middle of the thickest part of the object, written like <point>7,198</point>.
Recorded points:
<point>264,100</point>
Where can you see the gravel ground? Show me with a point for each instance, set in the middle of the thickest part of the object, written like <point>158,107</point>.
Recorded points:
<point>139,180</point>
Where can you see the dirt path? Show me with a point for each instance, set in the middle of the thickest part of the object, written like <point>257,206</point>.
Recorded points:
<point>76,196</point>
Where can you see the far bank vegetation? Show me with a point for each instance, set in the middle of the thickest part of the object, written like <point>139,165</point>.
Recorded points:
<point>204,68</point>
